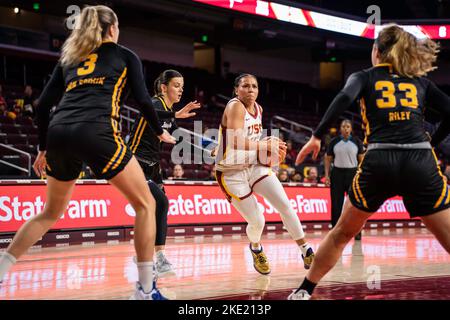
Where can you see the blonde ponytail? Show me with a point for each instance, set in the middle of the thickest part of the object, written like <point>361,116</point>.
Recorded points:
<point>91,26</point>
<point>409,56</point>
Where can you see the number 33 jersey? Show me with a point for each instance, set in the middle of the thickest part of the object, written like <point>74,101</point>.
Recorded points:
<point>392,106</point>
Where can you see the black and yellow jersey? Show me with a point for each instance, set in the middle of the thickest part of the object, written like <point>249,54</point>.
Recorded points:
<point>142,142</point>
<point>392,106</point>
<point>93,91</point>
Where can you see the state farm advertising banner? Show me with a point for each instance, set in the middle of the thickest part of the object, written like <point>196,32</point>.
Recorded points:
<point>101,205</point>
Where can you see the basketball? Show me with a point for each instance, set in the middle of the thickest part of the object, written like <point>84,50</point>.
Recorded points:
<point>270,158</point>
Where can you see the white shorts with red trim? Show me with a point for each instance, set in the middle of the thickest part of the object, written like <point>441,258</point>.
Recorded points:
<point>239,185</point>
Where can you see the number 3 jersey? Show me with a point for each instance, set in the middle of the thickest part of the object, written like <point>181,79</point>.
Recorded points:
<point>93,90</point>
<point>392,106</point>
<point>230,159</point>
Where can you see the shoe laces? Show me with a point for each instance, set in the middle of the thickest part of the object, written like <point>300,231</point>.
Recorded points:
<point>261,258</point>
<point>164,260</point>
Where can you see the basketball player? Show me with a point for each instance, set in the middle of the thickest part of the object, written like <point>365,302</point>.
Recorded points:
<point>239,174</point>
<point>400,159</point>
<point>146,146</point>
<point>91,77</point>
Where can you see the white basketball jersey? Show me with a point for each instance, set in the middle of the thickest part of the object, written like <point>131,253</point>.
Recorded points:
<point>229,159</point>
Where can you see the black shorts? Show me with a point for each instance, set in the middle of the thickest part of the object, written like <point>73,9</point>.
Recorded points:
<point>152,172</point>
<point>413,174</point>
<point>98,145</point>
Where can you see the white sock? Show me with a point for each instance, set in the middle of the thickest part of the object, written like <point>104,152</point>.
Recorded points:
<point>145,271</point>
<point>259,248</point>
<point>6,262</point>
<point>159,254</point>
<point>304,248</point>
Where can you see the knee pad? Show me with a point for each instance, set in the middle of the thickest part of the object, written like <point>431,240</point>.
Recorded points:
<point>162,203</point>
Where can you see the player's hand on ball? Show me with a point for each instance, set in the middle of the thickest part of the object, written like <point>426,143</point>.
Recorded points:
<point>313,146</point>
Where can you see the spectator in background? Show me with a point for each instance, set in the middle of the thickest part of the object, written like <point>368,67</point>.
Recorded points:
<point>28,102</point>
<point>2,100</point>
<point>178,173</point>
<point>291,153</point>
<point>201,98</point>
<point>332,133</point>
<point>16,112</point>
<point>296,177</point>
<point>298,137</point>
<point>312,175</point>
<point>3,111</point>
<point>212,174</point>
<point>283,175</point>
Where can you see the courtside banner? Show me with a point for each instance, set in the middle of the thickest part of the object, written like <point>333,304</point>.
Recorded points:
<point>101,205</point>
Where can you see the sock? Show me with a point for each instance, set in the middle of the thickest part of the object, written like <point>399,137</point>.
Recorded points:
<point>256,250</point>
<point>145,270</point>
<point>304,248</point>
<point>6,262</point>
<point>307,285</point>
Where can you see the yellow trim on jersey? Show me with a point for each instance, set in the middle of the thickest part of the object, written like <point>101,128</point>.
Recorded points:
<point>124,150</point>
<point>119,95</point>
<point>121,149</point>
<point>365,120</point>
<point>356,183</point>
<point>136,133</point>
<point>444,188</point>
<point>166,107</point>
<point>354,190</point>
<point>360,192</point>
<point>222,179</point>
<point>140,134</point>
<point>385,65</point>
<point>116,94</point>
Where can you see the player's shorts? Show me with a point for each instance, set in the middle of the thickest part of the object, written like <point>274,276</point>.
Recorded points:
<point>239,184</point>
<point>96,144</point>
<point>413,174</point>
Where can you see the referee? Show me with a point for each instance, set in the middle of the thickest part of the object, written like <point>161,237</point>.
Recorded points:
<point>344,152</point>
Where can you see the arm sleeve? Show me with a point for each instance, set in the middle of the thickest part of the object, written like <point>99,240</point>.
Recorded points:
<point>49,97</point>
<point>140,92</point>
<point>439,101</point>
<point>351,91</point>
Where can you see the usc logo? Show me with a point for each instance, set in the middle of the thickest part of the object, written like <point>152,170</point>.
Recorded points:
<point>254,129</point>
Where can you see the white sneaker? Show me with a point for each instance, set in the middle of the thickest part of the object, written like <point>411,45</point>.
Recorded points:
<point>163,266</point>
<point>154,294</point>
<point>300,295</point>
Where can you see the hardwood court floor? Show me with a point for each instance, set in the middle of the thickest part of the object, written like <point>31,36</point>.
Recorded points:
<point>409,262</point>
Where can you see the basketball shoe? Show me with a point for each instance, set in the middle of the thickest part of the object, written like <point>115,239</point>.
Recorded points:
<point>260,261</point>
<point>140,294</point>
<point>308,258</point>
<point>163,266</point>
<point>299,295</point>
